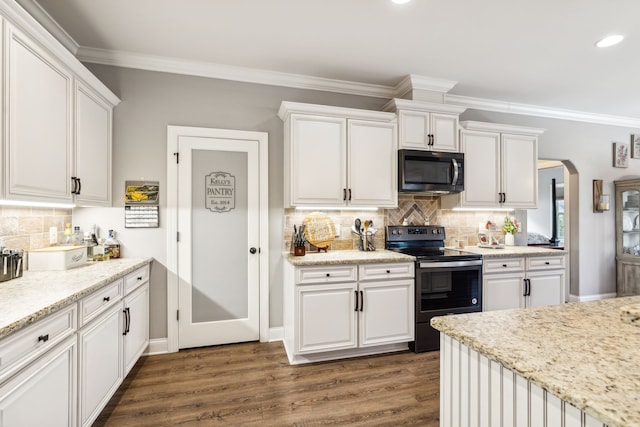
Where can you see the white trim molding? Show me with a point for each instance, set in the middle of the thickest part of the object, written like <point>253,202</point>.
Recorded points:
<point>586,298</point>
<point>299,81</point>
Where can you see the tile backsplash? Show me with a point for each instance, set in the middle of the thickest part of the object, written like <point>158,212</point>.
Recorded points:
<point>415,209</point>
<point>28,227</point>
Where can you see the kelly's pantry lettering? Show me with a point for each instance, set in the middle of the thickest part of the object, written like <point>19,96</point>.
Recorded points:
<point>220,190</point>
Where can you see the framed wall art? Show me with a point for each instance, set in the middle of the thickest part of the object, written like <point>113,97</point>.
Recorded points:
<point>621,154</point>
<point>635,145</point>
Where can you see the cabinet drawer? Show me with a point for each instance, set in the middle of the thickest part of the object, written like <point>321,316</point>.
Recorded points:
<point>545,262</point>
<point>96,303</point>
<point>326,274</point>
<point>28,344</point>
<point>135,279</point>
<point>386,271</point>
<point>502,265</point>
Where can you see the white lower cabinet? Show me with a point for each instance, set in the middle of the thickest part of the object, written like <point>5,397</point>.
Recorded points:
<point>43,394</point>
<point>523,282</point>
<point>347,310</point>
<point>100,345</point>
<point>136,330</point>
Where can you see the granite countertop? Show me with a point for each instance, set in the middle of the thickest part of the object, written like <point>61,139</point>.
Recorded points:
<point>513,251</point>
<point>37,294</point>
<point>348,257</point>
<point>585,353</point>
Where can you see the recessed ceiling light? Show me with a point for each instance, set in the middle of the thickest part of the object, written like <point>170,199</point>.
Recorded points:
<point>610,40</point>
<point>400,1</point>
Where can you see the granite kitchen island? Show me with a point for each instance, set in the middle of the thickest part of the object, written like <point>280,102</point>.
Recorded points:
<point>575,364</point>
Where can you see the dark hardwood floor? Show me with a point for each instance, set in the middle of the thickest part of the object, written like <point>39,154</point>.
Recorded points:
<point>252,384</point>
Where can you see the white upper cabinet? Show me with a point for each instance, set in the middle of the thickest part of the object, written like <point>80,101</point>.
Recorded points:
<point>92,147</point>
<point>39,92</point>
<point>58,118</point>
<point>338,157</point>
<point>501,167</point>
<point>426,126</point>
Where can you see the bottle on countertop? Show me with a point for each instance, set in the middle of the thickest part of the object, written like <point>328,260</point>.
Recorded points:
<point>68,234</point>
<point>77,236</point>
<point>113,245</point>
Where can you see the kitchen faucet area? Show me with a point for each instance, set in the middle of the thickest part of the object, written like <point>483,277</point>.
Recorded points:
<point>225,213</point>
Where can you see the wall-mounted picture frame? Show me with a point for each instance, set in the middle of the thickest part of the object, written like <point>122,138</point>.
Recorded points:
<point>621,154</point>
<point>635,145</point>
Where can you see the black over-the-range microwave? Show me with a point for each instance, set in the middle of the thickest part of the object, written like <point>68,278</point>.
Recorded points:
<point>430,172</point>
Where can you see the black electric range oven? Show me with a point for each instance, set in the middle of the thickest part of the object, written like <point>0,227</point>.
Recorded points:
<point>447,281</point>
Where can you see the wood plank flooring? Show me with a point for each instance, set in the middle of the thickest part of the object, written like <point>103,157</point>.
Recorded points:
<point>252,384</point>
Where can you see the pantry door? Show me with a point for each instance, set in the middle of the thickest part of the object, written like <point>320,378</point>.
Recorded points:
<point>218,242</point>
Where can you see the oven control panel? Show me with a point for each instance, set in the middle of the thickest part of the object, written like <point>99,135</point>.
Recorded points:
<point>401,233</point>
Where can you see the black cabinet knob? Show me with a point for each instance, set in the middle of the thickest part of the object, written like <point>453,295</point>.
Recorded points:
<point>106,299</point>
<point>43,338</point>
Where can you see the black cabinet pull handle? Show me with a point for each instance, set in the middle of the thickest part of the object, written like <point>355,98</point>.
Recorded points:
<point>79,185</point>
<point>43,338</point>
<point>344,194</point>
<point>139,277</point>
<point>106,299</point>
<point>127,320</point>
<point>361,300</point>
<point>349,194</point>
<point>546,262</point>
<point>504,265</point>
<point>356,307</point>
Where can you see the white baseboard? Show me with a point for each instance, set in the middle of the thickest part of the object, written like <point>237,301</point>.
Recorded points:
<point>161,345</point>
<point>157,346</point>
<point>276,334</point>
<point>596,297</point>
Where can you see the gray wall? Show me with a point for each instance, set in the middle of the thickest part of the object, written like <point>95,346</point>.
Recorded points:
<point>151,101</point>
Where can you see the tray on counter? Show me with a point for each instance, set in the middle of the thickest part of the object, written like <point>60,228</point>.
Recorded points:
<point>491,246</point>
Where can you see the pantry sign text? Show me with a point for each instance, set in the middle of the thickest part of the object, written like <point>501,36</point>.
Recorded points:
<point>220,192</point>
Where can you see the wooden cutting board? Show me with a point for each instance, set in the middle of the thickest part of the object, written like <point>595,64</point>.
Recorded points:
<point>319,230</point>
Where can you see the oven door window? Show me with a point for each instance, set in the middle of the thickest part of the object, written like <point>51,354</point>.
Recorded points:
<point>444,289</point>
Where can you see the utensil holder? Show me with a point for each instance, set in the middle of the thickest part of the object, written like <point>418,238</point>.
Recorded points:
<point>366,242</point>
<point>18,264</point>
<point>6,267</point>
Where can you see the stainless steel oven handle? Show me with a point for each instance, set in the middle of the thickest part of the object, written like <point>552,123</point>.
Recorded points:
<point>446,264</point>
<point>454,181</point>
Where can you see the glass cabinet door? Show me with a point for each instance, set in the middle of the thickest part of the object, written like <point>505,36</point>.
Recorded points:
<point>630,212</point>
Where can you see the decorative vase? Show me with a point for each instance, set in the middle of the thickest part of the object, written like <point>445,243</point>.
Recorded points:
<point>509,239</point>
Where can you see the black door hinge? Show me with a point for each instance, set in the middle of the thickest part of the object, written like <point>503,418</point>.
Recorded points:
<point>177,157</point>
<point>178,315</point>
<point>177,236</point>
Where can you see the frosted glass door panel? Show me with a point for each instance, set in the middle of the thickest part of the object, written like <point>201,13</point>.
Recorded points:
<point>219,231</point>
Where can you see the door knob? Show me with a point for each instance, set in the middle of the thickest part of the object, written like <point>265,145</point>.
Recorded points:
<point>253,250</point>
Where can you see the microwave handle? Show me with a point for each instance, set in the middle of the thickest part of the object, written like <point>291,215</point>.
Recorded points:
<point>454,180</point>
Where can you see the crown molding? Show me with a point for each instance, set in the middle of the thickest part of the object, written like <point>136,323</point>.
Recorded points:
<point>274,78</point>
<point>541,111</point>
<point>51,25</point>
<point>228,72</point>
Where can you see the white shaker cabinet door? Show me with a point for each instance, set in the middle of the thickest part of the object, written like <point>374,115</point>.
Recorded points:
<point>44,394</point>
<point>444,128</point>
<point>136,331</point>
<point>481,169</point>
<point>547,288</point>
<point>326,316</point>
<point>414,129</point>
<point>373,160</point>
<point>520,170</point>
<point>318,160</point>
<point>100,367</point>
<point>386,312</point>
<point>39,119</point>
<point>503,291</point>
<point>92,148</point>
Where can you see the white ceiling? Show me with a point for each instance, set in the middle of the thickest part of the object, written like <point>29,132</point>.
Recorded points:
<point>531,52</point>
